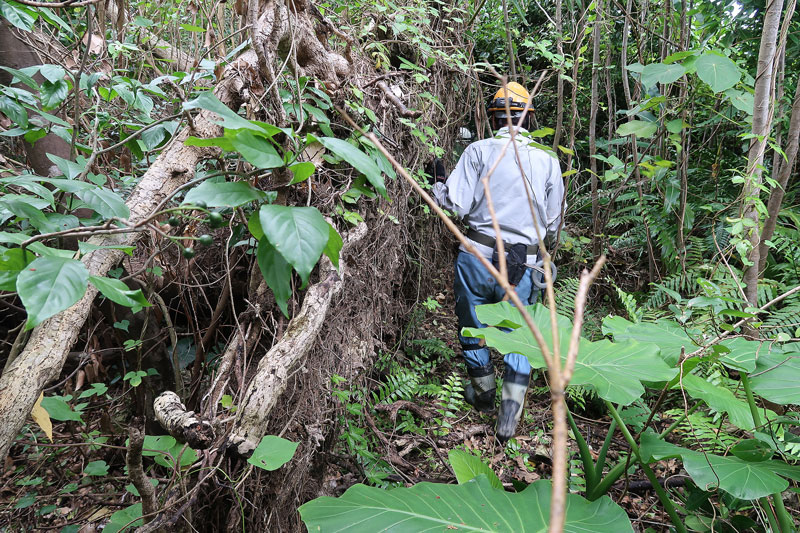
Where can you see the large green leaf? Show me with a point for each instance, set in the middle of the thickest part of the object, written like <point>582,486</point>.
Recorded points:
<point>777,377</point>
<point>107,203</point>
<point>667,335</point>
<point>360,161</point>
<point>53,93</point>
<point>300,234</point>
<point>116,291</point>
<point>256,149</point>
<point>614,370</point>
<point>277,273</point>
<point>272,452</point>
<point>473,506</point>
<point>743,479</point>
<point>743,353</point>
<point>741,100</point>
<point>302,171</point>
<point>26,207</point>
<point>129,517</point>
<point>661,73</point>
<point>230,120</point>
<point>640,128</point>
<point>36,247</point>
<point>224,194</point>
<point>165,450</point>
<point>467,467</point>
<point>718,71</point>
<point>18,15</point>
<point>49,285</point>
<point>721,400</point>
<point>334,246</point>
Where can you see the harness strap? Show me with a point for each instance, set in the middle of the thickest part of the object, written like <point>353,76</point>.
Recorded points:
<point>486,240</point>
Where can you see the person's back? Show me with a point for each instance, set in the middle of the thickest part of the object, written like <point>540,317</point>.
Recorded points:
<point>528,167</point>
<point>520,176</point>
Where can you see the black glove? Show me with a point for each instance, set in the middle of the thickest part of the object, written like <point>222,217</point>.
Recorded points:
<point>435,171</point>
<point>516,256</point>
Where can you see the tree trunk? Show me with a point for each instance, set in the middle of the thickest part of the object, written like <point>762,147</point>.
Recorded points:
<point>17,54</point>
<point>786,166</point>
<point>598,21</point>
<point>761,125</point>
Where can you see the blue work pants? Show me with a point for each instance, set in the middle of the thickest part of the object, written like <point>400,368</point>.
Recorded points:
<point>474,285</point>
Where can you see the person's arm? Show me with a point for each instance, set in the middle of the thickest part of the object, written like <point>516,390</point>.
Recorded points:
<point>555,198</point>
<point>456,194</point>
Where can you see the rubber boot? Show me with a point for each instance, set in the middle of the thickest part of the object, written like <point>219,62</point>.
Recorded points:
<point>515,385</point>
<point>480,391</point>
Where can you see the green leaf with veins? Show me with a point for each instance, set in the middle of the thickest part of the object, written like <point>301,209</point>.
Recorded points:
<point>776,377</point>
<point>224,194</point>
<point>614,370</point>
<point>360,161</point>
<point>471,506</point>
<point>299,234</point>
<point>277,273</point>
<point>116,291</point>
<point>467,467</point>
<point>50,285</point>
<point>717,70</point>
<point>272,452</point>
<point>106,203</point>
<point>743,479</point>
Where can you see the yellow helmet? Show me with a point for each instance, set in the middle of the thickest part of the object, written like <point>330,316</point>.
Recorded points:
<point>517,97</point>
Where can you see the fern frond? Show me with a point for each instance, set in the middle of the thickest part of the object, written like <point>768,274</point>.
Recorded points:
<point>565,290</point>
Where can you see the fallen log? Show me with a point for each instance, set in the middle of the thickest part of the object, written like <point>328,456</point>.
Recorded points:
<point>48,347</point>
<point>274,368</point>
<point>184,425</point>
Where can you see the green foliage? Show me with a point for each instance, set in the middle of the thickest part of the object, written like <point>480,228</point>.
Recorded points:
<point>614,370</point>
<point>48,285</point>
<point>272,452</point>
<point>467,467</point>
<point>223,194</point>
<point>745,479</point>
<point>475,505</point>
<point>702,431</point>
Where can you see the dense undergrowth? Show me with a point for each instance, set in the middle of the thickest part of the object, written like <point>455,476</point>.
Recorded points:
<point>683,416</point>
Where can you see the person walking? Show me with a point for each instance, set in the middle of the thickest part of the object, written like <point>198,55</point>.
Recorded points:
<point>512,172</point>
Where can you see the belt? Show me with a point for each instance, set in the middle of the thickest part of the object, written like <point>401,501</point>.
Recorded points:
<point>491,241</point>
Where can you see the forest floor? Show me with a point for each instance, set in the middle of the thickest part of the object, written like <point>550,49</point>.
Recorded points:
<point>398,425</point>
<point>415,417</point>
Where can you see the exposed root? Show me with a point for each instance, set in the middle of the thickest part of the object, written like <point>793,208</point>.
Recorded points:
<point>272,376</point>
<point>182,424</point>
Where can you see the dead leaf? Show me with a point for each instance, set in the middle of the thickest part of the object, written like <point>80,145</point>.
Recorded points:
<point>42,418</point>
<point>95,43</point>
<point>99,514</point>
<point>313,152</point>
<point>80,379</point>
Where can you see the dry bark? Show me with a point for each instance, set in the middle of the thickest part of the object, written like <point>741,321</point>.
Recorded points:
<point>275,366</point>
<point>50,342</point>
<point>184,425</point>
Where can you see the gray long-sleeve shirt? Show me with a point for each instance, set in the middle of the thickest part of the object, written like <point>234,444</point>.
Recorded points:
<point>463,191</point>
